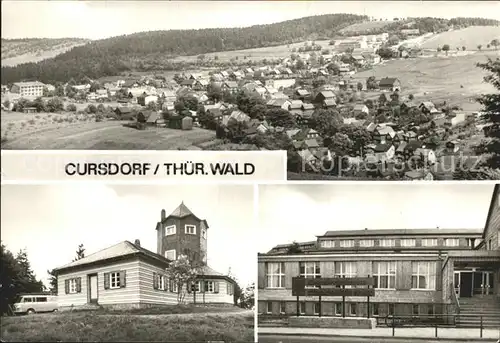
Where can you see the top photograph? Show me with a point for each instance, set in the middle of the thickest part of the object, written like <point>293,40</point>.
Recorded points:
<point>351,90</point>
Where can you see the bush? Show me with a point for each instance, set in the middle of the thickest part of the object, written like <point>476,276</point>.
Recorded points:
<point>71,108</point>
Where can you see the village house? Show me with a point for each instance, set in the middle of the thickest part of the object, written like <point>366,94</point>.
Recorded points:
<point>127,275</point>
<point>145,99</point>
<point>416,271</point>
<point>390,84</point>
<point>279,103</point>
<point>452,146</point>
<point>427,107</point>
<point>324,95</point>
<point>28,89</point>
<point>230,86</point>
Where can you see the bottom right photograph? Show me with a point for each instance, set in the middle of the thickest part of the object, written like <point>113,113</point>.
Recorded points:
<point>377,262</point>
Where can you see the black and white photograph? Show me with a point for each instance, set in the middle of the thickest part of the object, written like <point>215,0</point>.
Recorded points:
<point>379,263</point>
<point>353,90</point>
<point>127,263</point>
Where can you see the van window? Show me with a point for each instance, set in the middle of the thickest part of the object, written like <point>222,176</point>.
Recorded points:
<point>27,300</point>
<point>41,299</point>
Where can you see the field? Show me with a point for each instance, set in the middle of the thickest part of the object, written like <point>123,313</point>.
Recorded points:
<point>216,324</point>
<point>72,131</point>
<point>15,52</point>
<point>455,80</point>
<point>257,54</point>
<point>469,37</point>
<point>365,26</point>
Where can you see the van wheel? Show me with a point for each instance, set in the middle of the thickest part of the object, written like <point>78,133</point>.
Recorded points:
<point>30,311</point>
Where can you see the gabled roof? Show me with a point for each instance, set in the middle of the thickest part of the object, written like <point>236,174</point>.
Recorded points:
<point>121,249</point>
<point>387,81</point>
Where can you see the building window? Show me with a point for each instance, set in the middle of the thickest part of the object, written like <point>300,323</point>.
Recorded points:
<point>338,309</point>
<point>190,229</point>
<point>114,280</point>
<point>282,307</point>
<point>171,254</point>
<point>452,242</point>
<point>407,242</point>
<point>174,288</point>
<point>430,310</point>
<point>391,309</point>
<point>73,286</point>
<point>161,282</point>
<point>353,309</point>
<point>347,243</point>
<point>345,269</point>
<point>302,308</point>
<point>415,310</point>
<point>365,243</point>
<point>429,242</point>
<point>387,243</point>
<point>204,233</point>
<point>209,286</point>
<point>309,270</point>
<point>385,275</point>
<point>269,307</point>
<point>375,309</point>
<point>423,275</point>
<point>170,230</point>
<point>276,275</point>
<point>490,245</point>
<point>327,243</point>
<point>316,308</point>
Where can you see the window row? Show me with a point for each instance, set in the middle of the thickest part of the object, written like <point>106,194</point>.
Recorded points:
<point>188,230</point>
<point>407,242</point>
<point>112,280</point>
<point>351,308</point>
<point>423,273</point>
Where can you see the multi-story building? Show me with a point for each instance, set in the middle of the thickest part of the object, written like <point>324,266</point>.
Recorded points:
<point>28,89</point>
<point>416,271</point>
<point>128,275</point>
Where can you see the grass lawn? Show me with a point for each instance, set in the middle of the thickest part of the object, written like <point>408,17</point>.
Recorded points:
<point>153,325</point>
<point>72,131</point>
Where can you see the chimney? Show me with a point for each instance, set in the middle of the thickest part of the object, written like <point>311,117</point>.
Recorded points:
<point>137,242</point>
<point>163,215</point>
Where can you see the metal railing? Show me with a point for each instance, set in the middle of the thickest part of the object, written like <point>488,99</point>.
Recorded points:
<point>437,321</point>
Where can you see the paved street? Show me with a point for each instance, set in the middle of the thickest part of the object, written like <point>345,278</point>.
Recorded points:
<point>300,339</point>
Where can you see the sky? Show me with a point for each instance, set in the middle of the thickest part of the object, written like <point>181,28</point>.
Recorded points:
<point>102,19</point>
<point>50,221</point>
<point>299,213</point>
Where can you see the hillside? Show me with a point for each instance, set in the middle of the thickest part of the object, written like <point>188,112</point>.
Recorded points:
<point>157,50</point>
<point>365,27</point>
<point>469,37</point>
<point>113,55</point>
<point>18,51</point>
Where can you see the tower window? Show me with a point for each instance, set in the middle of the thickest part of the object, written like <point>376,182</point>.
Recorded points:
<point>203,233</point>
<point>170,230</point>
<point>190,229</point>
<point>171,254</point>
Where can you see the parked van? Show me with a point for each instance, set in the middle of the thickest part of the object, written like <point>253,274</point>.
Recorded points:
<point>33,303</point>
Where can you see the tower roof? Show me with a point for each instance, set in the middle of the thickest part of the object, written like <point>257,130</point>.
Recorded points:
<point>181,211</point>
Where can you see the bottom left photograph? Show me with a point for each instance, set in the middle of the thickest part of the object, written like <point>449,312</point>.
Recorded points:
<point>96,262</point>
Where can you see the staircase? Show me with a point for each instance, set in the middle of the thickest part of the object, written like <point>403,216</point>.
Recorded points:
<point>471,310</point>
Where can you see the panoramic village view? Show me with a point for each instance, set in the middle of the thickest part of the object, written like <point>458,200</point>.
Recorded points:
<point>348,96</point>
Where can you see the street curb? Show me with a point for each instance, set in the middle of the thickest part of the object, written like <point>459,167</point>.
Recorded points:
<point>394,338</point>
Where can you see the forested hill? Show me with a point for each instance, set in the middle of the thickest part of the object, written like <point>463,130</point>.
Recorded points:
<point>113,55</point>
<point>154,50</point>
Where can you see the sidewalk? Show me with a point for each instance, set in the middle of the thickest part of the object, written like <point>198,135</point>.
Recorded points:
<point>419,333</point>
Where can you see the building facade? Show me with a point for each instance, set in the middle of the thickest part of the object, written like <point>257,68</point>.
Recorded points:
<point>419,271</point>
<point>128,275</point>
<point>28,89</point>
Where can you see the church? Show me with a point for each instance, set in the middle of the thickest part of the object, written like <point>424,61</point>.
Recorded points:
<point>126,275</point>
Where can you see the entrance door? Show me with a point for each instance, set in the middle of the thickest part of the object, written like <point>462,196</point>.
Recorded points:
<point>93,291</point>
<point>465,285</point>
<point>478,283</point>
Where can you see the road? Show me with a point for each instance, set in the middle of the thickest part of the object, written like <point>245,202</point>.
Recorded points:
<point>301,339</point>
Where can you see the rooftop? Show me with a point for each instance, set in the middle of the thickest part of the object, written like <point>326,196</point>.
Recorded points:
<point>402,232</point>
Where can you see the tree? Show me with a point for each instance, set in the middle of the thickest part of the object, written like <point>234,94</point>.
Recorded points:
<point>491,104</point>
<point>9,279</point>
<point>182,274</point>
<point>39,104</point>
<point>80,253</point>
<point>463,48</point>
<point>71,108</point>
<point>359,86</point>
<point>385,53</point>
<point>294,248</point>
<point>55,105</point>
<point>27,280</point>
<point>280,118</point>
<point>247,297</point>
<point>446,48</point>
<point>479,47</point>
<point>326,122</point>
<point>495,43</point>
<point>382,99</point>
<point>371,83</point>
<point>341,144</point>
<point>359,136</point>
<point>52,281</point>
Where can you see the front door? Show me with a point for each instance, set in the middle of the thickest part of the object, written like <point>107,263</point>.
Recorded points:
<point>465,284</point>
<point>93,292</point>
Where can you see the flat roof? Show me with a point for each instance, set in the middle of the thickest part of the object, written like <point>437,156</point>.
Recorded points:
<point>402,232</point>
